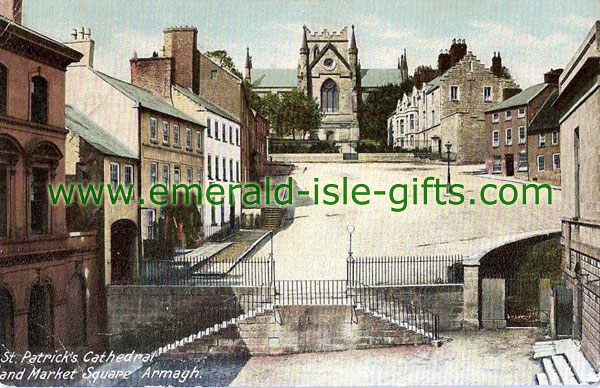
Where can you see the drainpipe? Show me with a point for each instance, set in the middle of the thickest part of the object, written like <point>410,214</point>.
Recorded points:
<point>139,191</point>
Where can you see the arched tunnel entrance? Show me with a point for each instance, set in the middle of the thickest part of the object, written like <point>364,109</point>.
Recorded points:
<point>516,281</point>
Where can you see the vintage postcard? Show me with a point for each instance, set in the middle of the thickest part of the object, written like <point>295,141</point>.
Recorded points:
<point>299,193</point>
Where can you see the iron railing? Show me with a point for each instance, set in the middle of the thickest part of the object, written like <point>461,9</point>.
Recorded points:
<point>184,322</point>
<point>214,233</point>
<point>310,292</point>
<point>405,314</point>
<point>405,270</point>
<point>191,270</point>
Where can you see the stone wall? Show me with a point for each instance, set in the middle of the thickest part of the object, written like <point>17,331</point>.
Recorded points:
<point>147,317</point>
<point>337,157</point>
<point>304,329</point>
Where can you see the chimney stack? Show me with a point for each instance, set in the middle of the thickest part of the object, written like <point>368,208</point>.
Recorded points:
<point>458,50</point>
<point>497,65</point>
<point>552,76</point>
<point>81,40</point>
<point>181,44</point>
<point>444,62</point>
<point>155,74</point>
<point>12,9</point>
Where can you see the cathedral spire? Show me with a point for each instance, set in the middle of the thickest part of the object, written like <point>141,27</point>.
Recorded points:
<point>304,47</point>
<point>352,49</point>
<point>248,67</point>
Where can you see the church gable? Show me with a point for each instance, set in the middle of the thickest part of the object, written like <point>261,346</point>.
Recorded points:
<point>329,47</point>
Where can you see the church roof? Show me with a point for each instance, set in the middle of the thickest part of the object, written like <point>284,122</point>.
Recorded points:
<point>274,78</point>
<point>288,78</point>
<point>372,78</point>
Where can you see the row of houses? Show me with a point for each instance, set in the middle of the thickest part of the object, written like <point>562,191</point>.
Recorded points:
<point>451,107</point>
<point>484,115</point>
<point>547,133</point>
<point>182,118</point>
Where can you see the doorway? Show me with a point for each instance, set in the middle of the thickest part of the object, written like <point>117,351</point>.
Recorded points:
<point>509,164</point>
<point>123,237</point>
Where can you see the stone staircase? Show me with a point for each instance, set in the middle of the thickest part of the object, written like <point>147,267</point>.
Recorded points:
<point>272,217</point>
<point>563,364</point>
<point>405,325</point>
<point>192,341</point>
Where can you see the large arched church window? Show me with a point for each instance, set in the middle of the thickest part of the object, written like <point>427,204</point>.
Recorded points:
<point>330,97</point>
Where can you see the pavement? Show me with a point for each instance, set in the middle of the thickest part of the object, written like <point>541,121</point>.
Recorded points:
<point>483,358</point>
<point>315,243</point>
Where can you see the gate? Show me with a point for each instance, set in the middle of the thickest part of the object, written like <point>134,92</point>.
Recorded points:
<point>523,301</point>
<point>563,316</point>
<point>493,315</point>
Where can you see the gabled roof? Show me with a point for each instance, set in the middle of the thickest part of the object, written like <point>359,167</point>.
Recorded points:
<point>205,103</point>
<point>519,99</point>
<point>145,98</point>
<point>434,83</point>
<point>274,78</point>
<point>372,78</point>
<point>547,117</point>
<point>94,134</point>
<point>329,46</point>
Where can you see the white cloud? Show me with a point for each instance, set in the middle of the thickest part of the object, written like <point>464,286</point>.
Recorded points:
<point>577,21</point>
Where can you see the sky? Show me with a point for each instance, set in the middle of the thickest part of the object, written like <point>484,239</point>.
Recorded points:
<point>531,35</point>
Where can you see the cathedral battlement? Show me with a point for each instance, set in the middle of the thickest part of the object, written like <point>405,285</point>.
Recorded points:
<point>325,34</point>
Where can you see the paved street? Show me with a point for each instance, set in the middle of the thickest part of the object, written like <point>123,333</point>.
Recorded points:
<point>315,245</point>
<point>486,358</point>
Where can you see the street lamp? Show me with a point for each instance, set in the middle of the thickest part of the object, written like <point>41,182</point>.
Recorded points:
<point>448,147</point>
<point>350,230</point>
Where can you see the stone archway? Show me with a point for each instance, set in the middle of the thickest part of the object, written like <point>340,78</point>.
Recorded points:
<point>123,238</point>
<point>40,319</point>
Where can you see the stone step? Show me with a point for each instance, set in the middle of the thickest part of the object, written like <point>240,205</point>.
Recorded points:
<point>583,370</point>
<point>551,372</point>
<point>564,370</point>
<point>541,379</point>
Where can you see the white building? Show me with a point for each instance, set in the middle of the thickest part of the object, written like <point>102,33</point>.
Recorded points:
<point>403,124</point>
<point>222,155</point>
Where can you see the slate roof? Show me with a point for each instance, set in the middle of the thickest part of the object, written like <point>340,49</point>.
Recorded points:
<point>94,134</point>
<point>145,98</point>
<point>547,117</point>
<point>274,78</point>
<point>288,78</point>
<point>207,104</point>
<point>434,83</point>
<point>522,98</point>
<point>379,77</point>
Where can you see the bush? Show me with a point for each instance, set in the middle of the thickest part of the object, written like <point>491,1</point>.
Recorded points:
<point>303,147</point>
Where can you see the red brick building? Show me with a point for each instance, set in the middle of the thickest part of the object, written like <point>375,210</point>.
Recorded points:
<point>51,288</point>
<point>507,124</point>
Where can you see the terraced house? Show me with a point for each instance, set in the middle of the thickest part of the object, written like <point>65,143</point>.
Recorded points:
<point>211,95</point>
<point>450,108</point>
<point>507,126</point>
<point>166,141</point>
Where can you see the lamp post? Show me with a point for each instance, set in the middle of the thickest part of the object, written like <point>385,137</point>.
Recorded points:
<point>448,147</point>
<point>350,230</point>
<point>350,259</point>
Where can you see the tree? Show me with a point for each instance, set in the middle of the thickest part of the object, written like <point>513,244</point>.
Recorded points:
<point>296,114</point>
<point>506,74</point>
<point>269,106</point>
<point>222,58</point>
<point>378,107</point>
